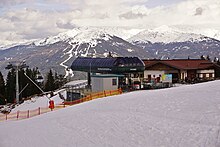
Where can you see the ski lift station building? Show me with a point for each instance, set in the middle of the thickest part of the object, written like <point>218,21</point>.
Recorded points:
<point>109,73</point>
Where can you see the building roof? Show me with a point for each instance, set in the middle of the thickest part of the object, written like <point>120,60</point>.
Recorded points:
<point>76,84</point>
<point>108,65</point>
<point>183,64</point>
<point>88,61</point>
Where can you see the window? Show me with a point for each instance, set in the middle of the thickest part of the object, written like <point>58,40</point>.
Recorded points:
<point>114,82</point>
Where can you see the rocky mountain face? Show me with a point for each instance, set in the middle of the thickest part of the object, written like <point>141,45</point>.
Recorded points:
<point>58,52</point>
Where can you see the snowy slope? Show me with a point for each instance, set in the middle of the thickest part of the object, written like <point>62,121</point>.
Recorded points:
<point>41,101</point>
<point>162,33</point>
<point>89,34</point>
<point>79,35</point>
<point>209,32</point>
<point>186,116</point>
<point>165,34</point>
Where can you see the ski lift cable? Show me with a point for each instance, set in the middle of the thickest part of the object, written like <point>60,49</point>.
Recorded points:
<point>36,85</point>
<point>23,89</point>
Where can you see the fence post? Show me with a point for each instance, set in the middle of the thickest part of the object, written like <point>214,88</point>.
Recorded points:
<point>17,114</point>
<point>6,116</point>
<point>104,93</point>
<point>120,91</point>
<point>39,111</point>
<point>28,115</point>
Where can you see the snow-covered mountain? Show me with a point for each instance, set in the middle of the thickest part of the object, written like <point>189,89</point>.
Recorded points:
<point>165,34</point>
<point>58,52</point>
<point>168,42</point>
<point>209,32</point>
<point>89,35</point>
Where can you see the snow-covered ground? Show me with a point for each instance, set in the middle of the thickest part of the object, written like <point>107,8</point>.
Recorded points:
<point>41,101</point>
<point>185,116</point>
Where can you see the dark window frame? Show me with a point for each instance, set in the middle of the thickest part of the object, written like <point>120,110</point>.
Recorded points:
<point>114,82</point>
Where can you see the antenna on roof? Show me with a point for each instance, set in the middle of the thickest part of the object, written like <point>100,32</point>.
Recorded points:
<point>202,57</point>
<point>208,58</point>
<point>109,55</point>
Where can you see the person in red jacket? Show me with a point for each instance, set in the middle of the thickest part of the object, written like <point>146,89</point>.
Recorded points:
<point>51,104</point>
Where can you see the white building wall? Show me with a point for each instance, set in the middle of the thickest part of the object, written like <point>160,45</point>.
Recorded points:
<point>207,72</point>
<point>108,85</point>
<point>103,83</point>
<point>97,84</point>
<point>153,72</point>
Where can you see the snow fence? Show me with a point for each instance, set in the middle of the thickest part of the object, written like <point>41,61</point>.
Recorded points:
<point>41,110</point>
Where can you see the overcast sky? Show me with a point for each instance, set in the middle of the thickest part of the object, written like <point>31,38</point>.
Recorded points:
<point>32,19</point>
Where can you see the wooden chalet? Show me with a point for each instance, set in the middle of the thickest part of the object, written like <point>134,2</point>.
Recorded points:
<point>187,70</point>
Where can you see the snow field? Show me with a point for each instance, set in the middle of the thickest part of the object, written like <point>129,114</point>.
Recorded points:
<point>174,117</point>
<point>37,102</point>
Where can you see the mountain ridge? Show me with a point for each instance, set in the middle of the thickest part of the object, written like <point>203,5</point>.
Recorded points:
<point>58,52</point>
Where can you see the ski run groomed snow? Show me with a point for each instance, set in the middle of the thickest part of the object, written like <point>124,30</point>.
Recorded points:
<point>185,116</point>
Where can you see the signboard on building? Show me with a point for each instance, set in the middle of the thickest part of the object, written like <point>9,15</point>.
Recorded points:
<point>167,78</point>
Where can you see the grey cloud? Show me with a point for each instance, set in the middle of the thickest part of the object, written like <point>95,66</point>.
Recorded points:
<point>67,25</point>
<point>130,15</point>
<point>134,2</point>
<point>14,19</point>
<point>199,11</point>
<point>12,2</point>
<point>102,16</point>
<point>36,34</point>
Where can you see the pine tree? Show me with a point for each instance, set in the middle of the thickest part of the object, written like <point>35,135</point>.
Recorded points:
<point>59,80</point>
<point>26,87</point>
<point>56,81</point>
<point>2,90</point>
<point>50,82</point>
<point>10,86</point>
<point>34,74</point>
<point>22,83</point>
<point>31,89</point>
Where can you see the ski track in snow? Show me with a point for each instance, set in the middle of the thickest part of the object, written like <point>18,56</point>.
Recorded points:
<point>72,53</point>
<point>67,69</point>
<point>87,50</point>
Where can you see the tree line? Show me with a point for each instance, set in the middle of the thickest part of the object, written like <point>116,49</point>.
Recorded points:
<point>52,82</point>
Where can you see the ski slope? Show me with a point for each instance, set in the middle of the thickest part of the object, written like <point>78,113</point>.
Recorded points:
<point>40,101</point>
<point>185,116</point>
